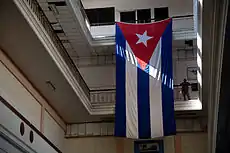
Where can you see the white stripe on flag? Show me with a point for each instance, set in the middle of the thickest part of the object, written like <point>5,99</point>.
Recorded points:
<point>131,98</point>
<point>156,118</point>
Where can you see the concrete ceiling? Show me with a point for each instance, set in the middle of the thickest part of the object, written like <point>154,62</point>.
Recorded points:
<point>20,43</point>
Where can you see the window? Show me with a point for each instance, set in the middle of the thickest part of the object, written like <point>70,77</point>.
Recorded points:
<point>60,3</point>
<point>129,17</point>
<point>161,13</point>
<point>144,16</point>
<point>137,16</point>
<point>101,16</point>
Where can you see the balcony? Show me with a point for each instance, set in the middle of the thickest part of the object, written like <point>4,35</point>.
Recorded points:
<point>104,100</point>
<point>183,28</point>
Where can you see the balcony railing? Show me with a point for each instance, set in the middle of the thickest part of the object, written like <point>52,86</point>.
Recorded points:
<point>106,128</point>
<point>34,5</point>
<point>107,98</point>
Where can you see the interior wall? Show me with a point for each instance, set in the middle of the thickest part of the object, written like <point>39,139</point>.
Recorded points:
<point>194,143</point>
<point>190,143</point>
<point>104,76</point>
<point>53,131</point>
<point>18,97</point>
<point>180,70</point>
<point>21,99</point>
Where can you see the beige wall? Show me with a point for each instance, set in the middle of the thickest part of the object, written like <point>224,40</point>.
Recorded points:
<point>190,143</point>
<point>194,143</point>
<point>14,91</point>
<point>53,131</point>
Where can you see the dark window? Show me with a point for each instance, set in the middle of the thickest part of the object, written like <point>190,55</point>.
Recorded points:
<point>129,17</point>
<point>101,16</point>
<point>144,16</point>
<point>161,13</point>
<point>59,31</point>
<point>61,3</point>
<point>189,43</point>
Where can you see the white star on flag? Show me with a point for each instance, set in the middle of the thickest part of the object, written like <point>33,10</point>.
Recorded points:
<point>143,38</point>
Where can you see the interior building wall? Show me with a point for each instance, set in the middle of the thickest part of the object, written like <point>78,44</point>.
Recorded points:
<point>187,143</point>
<point>106,78</point>
<point>180,71</point>
<point>15,93</point>
<point>103,76</point>
<point>194,143</point>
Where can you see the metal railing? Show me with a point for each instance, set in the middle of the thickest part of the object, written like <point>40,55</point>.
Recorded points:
<point>84,15</point>
<point>34,5</point>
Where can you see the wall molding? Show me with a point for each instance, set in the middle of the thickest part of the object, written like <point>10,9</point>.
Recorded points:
<point>21,117</point>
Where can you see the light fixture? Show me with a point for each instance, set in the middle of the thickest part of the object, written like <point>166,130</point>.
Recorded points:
<point>50,85</point>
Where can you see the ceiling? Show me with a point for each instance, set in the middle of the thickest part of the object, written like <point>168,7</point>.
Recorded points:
<point>64,22</point>
<point>22,45</point>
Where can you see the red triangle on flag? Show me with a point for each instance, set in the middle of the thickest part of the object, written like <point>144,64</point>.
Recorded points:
<point>143,38</point>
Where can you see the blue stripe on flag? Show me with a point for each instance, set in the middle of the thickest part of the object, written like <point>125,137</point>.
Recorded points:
<point>120,111</point>
<point>143,105</point>
<point>167,87</point>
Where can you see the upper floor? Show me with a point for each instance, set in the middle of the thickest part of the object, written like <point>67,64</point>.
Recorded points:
<point>102,15</point>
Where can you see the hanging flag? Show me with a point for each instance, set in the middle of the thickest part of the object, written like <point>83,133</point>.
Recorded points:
<point>144,83</point>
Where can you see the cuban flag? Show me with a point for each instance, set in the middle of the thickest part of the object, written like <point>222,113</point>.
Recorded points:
<point>144,83</point>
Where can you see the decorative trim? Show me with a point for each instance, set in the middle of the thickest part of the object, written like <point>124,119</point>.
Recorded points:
<point>29,124</point>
